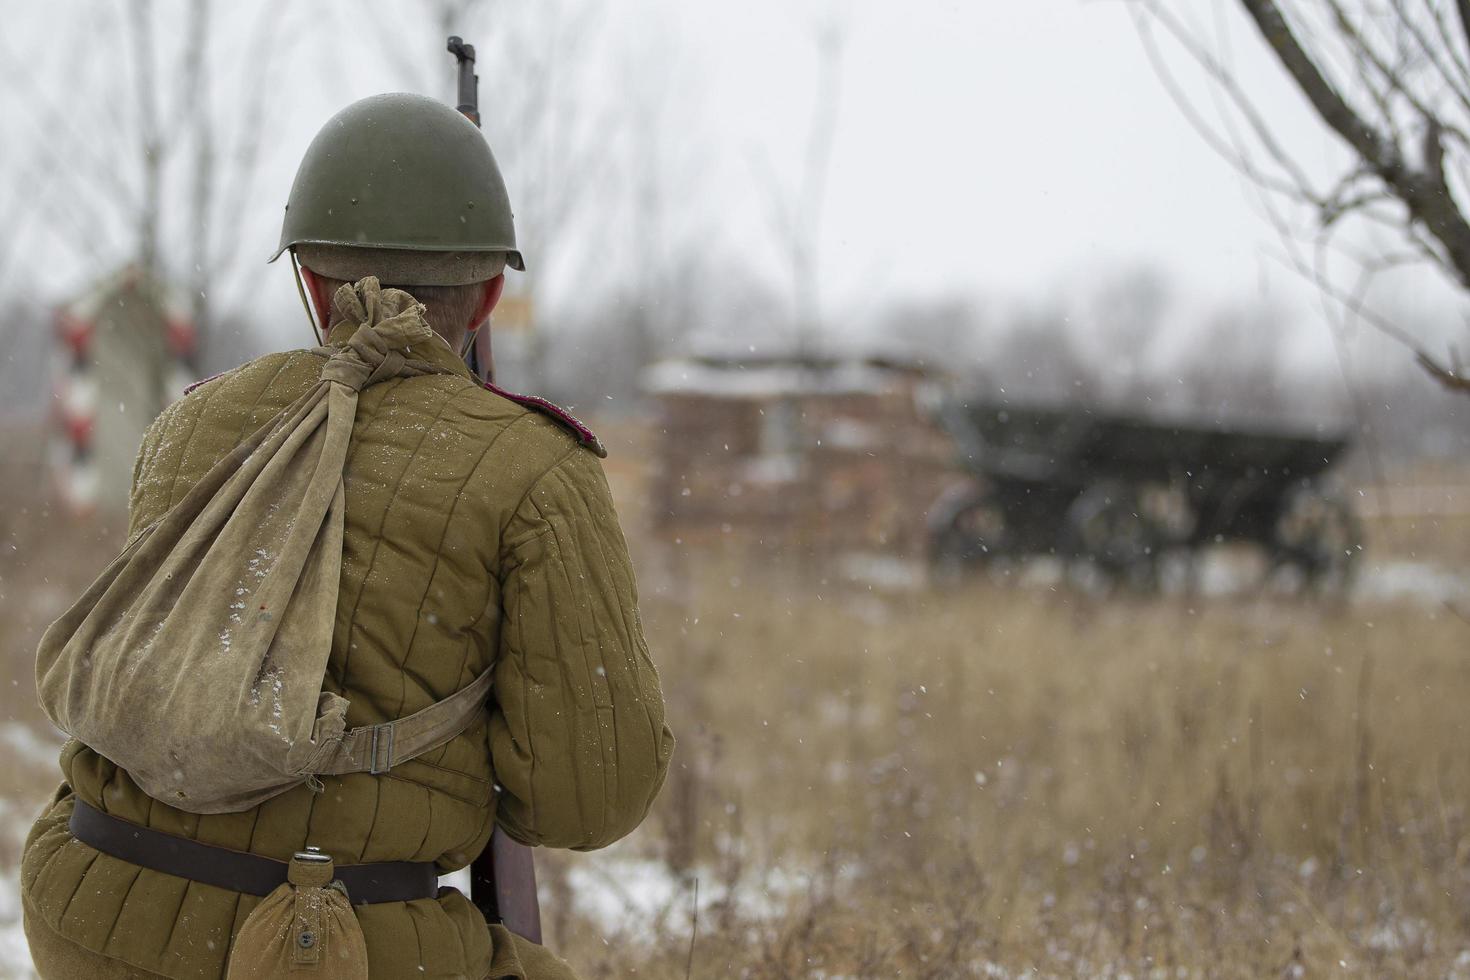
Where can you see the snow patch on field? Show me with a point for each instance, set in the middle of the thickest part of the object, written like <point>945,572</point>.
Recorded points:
<point>1218,574</point>
<point>15,955</point>
<point>618,894</point>
<point>30,747</point>
<point>634,891</point>
<point>637,897</point>
<point>1422,581</point>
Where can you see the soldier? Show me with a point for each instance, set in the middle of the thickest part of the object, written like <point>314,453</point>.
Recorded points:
<point>479,535</point>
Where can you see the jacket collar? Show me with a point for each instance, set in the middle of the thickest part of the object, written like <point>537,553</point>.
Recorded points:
<point>437,351</point>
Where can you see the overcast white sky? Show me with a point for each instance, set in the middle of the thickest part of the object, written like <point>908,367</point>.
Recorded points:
<point>990,145</point>
<point>993,149</point>
<point>1006,149</point>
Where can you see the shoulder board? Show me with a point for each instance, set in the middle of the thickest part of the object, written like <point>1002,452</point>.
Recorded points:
<point>189,389</point>
<point>578,428</point>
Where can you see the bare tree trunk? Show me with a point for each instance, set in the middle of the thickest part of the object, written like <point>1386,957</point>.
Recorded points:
<point>806,236</point>
<point>150,204</point>
<point>196,90</point>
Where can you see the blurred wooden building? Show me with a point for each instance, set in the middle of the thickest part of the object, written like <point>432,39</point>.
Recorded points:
<point>126,352</point>
<point>836,456</point>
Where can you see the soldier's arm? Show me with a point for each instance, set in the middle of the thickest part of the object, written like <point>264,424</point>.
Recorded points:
<point>579,741</point>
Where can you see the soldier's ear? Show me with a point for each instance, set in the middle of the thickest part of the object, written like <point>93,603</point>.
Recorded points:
<point>317,290</point>
<point>488,298</point>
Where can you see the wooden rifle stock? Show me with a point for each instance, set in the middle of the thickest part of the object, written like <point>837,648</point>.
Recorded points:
<point>503,886</point>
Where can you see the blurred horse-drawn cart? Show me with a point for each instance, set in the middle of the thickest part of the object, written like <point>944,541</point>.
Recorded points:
<point>1121,499</point>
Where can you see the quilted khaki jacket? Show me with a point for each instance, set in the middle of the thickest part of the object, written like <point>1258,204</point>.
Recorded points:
<point>478,531</point>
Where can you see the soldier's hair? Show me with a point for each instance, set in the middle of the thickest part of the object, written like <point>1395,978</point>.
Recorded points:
<point>447,308</point>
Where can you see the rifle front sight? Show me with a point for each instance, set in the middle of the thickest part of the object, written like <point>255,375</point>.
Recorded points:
<point>469,82</point>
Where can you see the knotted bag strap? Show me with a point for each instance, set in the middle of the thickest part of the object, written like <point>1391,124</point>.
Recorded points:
<point>378,748</point>
<point>387,322</point>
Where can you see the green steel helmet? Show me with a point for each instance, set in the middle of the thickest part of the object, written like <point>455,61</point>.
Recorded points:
<point>406,174</point>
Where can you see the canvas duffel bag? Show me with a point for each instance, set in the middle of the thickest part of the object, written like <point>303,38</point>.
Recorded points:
<point>196,660</point>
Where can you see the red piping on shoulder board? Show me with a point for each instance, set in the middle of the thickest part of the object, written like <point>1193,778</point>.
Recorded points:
<point>189,389</point>
<point>584,435</point>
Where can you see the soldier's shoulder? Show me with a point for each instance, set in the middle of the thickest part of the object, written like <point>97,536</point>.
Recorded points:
<point>542,420</point>
<point>260,371</point>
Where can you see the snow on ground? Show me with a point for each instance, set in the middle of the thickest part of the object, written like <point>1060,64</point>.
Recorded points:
<point>27,750</point>
<point>632,897</point>
<point>1421,581</point>
<point>15,956</point>
<point>620,894</point>
<point>31,748</point>
<point>1219,574</point>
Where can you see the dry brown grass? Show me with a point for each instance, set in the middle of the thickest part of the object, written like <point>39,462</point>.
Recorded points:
<point>1011,780</point>
<point>994,781</point>
<point>45,561</point>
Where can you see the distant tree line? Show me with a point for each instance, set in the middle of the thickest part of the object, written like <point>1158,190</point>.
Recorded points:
<point>1126,345</point>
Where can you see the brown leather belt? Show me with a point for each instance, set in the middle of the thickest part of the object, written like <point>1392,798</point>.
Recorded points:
<point>253,874</point>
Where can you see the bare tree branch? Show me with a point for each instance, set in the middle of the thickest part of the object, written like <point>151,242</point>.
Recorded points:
<point>1443,56</point>
<point>1423,191</point>
<point>1452,377</point>
<point>1371,64</point>
<point>1227,83</point>
<point>1463,6</point>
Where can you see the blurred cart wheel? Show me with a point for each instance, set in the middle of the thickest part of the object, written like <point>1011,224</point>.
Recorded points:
<point>1316,541</point>
<point>967,532</point>
<point>1114,540</point>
